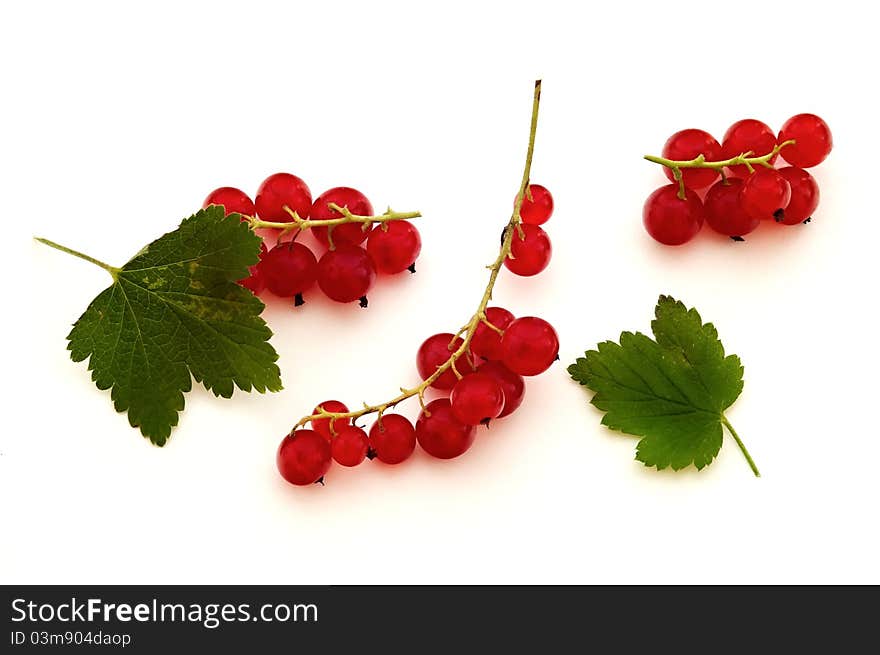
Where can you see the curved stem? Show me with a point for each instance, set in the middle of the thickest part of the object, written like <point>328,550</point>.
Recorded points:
<point>745,159</point>
<point>478,317</point>
<point>741,445</point>
<point>97,262</point>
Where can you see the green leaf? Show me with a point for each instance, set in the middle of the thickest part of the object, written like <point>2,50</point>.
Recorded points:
<point>173,313</point>
<point>671,390</point>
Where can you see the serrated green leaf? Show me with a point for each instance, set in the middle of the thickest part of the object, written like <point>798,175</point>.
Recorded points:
<point>173,313</point>
<point>671,390</point>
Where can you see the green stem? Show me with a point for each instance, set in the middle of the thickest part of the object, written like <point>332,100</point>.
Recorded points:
<point>97,262</point>
<point>745,159</point>
<point>741,445</point>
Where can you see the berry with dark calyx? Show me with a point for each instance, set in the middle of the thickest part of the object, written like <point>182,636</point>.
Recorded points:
<point>512,384</point>
<point>394,246</point>
<point>322,425</point>
<point>765,194</point>
<point>280,190</point>
<point>530,345</point>
<point>289,269</point>
<point>435,351</point>
<point>538,210</point>
<point>349,234</point>
<point>688,144</point>
<point>530,252</point>
<point>812,138</point>
<point>392,439</point>
<point>256,281</point>
<point>349,446</point>
<point>671,220</point>
<point>303,457</point>
<point>486,342</point>
<point>477,398</point>
<point>804,195</point>
<point>747,135</point>
<point>233,201</point>
<point>724,211</point>
<point>440,433</point>
<point>346,274</point>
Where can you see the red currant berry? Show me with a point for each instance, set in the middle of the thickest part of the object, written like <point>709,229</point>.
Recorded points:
<point>512,384</point>
<point>346,274</point>
<point>256,281</point>
<point>233,201</point>
<point>303,457</point>
<point>289,269</point>
<point>477,398</point>
<point>486,342</point>
<point>765,194</point>
<point>350,234</point>
<point>440,433</point>
<point>689,144</point>
<point>804,195</point>
<point>280,190</point>
<point>322,425</point>
<point>529,346</point>
<point>747,135</point>
<point>394,246</point>
<point>392,439</point>
<point>812,140</point>
<point>529,253</point>
<point>538,210</point>
<point>724,211</point>
<point>434,352</point>
<point>671,220</point>
<point>349,446</point>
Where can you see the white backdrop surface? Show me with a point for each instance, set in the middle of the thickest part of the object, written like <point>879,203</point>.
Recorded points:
<point>116,122</point>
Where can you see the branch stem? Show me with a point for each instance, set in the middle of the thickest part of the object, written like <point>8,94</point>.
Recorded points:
<point>297,223</point>
<point>70,251</point>
<point>479,315</point>
<point>741,445</point>
<point>745,159</point>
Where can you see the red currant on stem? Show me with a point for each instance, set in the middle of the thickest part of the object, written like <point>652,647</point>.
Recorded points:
<point>346,274</point>
<point>747,136</point>
<point>303,457</point>
<point>323,425</point>
<point>279,191</point>
<point>765,194</point>
<point>812,140</point>
<point>530,250</point>
<point>349,234</point>
<point>724,211</point>
<point>440,433</point>
<point>349,446</point>
<point>487,337</point>
<point>436,351</point>
<point>804,195</point>
<point>670,219</point>
<point>477,398</point>
<point>392,439</point>
<point>233,201</point>
<point>289,270</point>
<point>537,205</point>
<point>394,247</point>
<point>689,144</point>
<point>530,345</point>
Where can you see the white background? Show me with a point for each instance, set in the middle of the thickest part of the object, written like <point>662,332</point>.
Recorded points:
<point>117,121</point>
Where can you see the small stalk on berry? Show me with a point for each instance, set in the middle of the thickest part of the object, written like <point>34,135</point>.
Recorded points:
<point>513,229</point>
<point>745,159</point>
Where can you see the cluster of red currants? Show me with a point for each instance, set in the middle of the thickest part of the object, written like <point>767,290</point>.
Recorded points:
<point>483,382</point>
<point>749,192</point>
<point>345,271</point>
